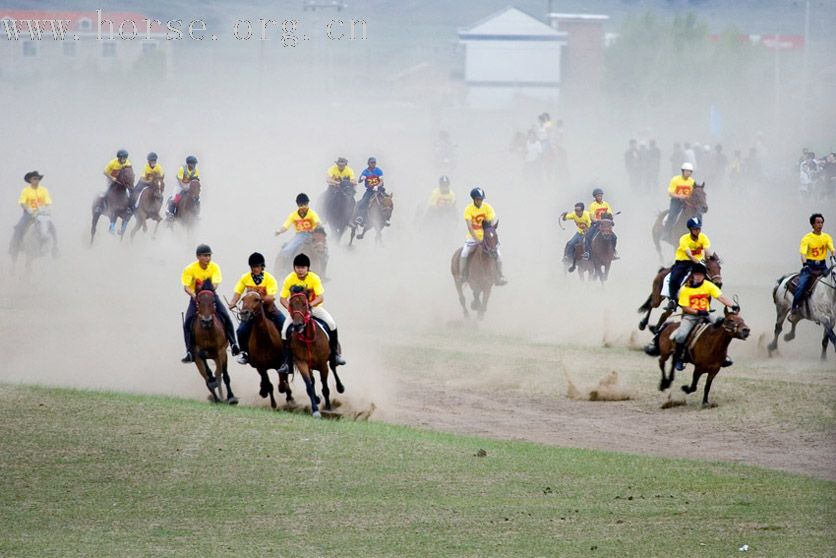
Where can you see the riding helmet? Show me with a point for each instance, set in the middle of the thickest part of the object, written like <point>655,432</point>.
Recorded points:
<point>255,259</point>
<point>688,166</point>
<point>203,249</point>
<point>699,268</point>
<point>302,199</point>
<point>694,223</point>
<point>477,193</point>
<point>302,260</point>
<point>581,205</point>
<point>122,153</point>
<point>191,160</point>
<point>152,156</point>
<point>597,191</point>
<point>371,160</point>
<point>444,180</point>
<point>342,160</point>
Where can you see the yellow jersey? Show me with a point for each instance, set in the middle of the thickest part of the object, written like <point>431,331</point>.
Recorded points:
<point>186,175</point>
<point>114,166</point>
<point>268,286</point>
<point>815,246</point>
<point>476,215</point>
<point>698,298</point>
<point>149,172</point>
<point>311,283</point>
<point>697,247</point>
<point>681,186</point>
<point>439,199</point>
<point>194,276</point>
<point>302,224</point>
<point>597,210</point>
<point>34,198</point>
<point>582,223</point>
<point>337,174</point>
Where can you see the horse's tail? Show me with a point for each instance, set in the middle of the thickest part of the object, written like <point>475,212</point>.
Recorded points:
<point>777,286</point>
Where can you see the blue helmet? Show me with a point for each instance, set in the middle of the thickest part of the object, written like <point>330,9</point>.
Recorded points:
<point>122,153</point>
<point>152,156</point>
<point>694,223</point>
<point>191,160</point>
<point>477,193</point>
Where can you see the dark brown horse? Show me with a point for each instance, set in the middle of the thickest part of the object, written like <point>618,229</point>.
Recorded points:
<point>115,203</point>
<point>339,205</point>
<point>601,250</point>
<point>380,211</point>
<point>264,346</point>
<point>187,208</point>
<point>210,344</point>
<point>316,248</point>
<point>482,271</point>
<point>694,205</point>
<point>708,352</point>
<point>148,206</point>
<point>582,266</point>
<point>310,349</point>
<point>715,275</point>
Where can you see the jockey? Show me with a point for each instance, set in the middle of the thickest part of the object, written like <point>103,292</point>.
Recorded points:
<point>185,175</point>
<point>264,284</point>
<point>204,270</point>
<point>679,189</point>
<point>474,215</point>
<point>302,276</point>
<point>442,197</point>
<point>814,247</point>
<point>693,248</point>
<point>33,199</point>
<point>695,301</point>
<point>151,171</point>
<point>340,171</point>
<point>111,170</point>
<point>597,210</point>
<point>372,179</point>
<point>582,222</point>
<point>304,220</point>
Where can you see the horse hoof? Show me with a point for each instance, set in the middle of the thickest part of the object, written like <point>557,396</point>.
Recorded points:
<point>788,337</point>
<point>710,405</point>
<point>282,387</point>
<point>663,385</point>
<point>232,400</point>
<point>318,400</point>
<point>642,325</point>
<point>687,389</point>
<point>212,385</point>
<point>341,388</point>
<point>316,414</point>
<point>263,392</point>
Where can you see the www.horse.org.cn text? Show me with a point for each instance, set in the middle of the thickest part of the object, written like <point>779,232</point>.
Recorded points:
<point>287,32</point>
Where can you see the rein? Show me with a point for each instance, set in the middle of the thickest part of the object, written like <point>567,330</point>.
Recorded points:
<point>306,322</point>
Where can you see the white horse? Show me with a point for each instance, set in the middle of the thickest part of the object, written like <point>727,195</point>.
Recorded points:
<point>819,307</point>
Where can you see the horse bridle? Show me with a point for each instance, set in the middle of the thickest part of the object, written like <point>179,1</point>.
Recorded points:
<point>204,321</point>
<point>247,315</point>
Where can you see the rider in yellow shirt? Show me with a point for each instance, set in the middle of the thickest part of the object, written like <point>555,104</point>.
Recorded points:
<point>150,172</point>
<point>303,221</point>
<point>303,277</point>
<point>262,282</point>
<point>814,247</point>
<point>694,247</point>
<point>340,171</point>
<point>598,209</point>
<point>679,190</point>
<point>582,221</point>
<point>112,169</point>
<point>34,199</point>
<point>442,197</point>
<point>185,175</point>
<point>474,215</point>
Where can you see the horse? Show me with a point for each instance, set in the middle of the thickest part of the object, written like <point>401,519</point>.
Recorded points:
<point>583,267</point>
<point>39,240</point>
<point>379,212</point>
<point>148,206</point>
<point>707,353</point>
<point>654,300</point>
<point>188,206</point>
<point>601,250</point>
<point>482,271</point>
<point>264,346</point>
<point>315,247</point>
<point>310,349</point>
<point>115,203</point>
<point>695,205</point>
<point>819,306</point>
<point>210,344</point>
<point>339,207</point>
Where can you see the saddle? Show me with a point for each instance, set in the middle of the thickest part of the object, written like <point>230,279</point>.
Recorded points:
<point>693,337</point>
<point>792,284</point>
<point>666,285</point>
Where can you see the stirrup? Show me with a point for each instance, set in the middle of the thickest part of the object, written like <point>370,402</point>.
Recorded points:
<point>187,358</point>
<point>586,255</point>
<point>339,360</point>
<point>242,358</point>
<point>501,281</point>
<point>679,365</point>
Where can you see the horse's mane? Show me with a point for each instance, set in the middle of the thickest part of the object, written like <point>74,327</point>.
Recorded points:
<point>297,289</point>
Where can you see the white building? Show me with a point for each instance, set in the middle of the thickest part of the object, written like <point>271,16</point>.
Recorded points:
<point>509,55</point>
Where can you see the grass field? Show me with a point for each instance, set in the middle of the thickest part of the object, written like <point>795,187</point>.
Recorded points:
<point>94,474</point>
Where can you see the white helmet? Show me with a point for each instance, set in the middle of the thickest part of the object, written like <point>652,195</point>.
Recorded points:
<point>688,166</point>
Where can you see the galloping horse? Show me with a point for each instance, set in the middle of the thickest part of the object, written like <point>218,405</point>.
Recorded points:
<point>380,211</point>
<point>819,307</point>
<point>210,344</point>
<point>316,247</point>
<point>601,251</point>
<point>707,354</point>
<point>311,350</point>
<point>482,271</point>
<point>187,208</point>
<point>36,241</point>
<point>695,205</point>
<point>148,204</point>
<point>264,346</point>
<point>715,275</point>
<point>583,267</point>
<point>115,203</point>
<point>339,207</point>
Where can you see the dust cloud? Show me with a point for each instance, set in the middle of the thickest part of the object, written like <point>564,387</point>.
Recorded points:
<point>266,127</point>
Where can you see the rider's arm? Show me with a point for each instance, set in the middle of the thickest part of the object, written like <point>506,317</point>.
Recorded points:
<point>235,298</point>
<point>691,256</point>
<point>282,230</point>
<point>470,229</point>
<point>283,302</point>
<point>189,291</point>
<point>319,299</point>
<point>725,300</point>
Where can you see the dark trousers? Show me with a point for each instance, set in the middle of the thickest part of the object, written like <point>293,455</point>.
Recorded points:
<point>245,327</point>
<point>673,213</point>
<point>593,230</point>
<point>678,272</point>
<point>570,246</point>
<point>220,311</point>
<point>808,273</point>
<point>363,204</point>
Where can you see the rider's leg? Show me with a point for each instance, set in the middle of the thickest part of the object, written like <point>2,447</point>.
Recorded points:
<point>804,279</point>
<point>614,239</point>
<point>569,251</point>
<point>191,312</point>
<point>466,250</point>
<point>678,272</point>
<point>243,333</point>
<point>229,328</point>
<point>363,205</point>
<point>320,313</point>
<point>587,239</point>
<point>680,336</point>
<point>289,249</point>
<point>500,278</point>
<point>673,213</point>
<point>287,355</point>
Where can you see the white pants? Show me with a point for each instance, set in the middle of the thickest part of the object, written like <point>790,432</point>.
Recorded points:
<point>470,244</point>
<point>689,321</point>
<point>317,312</point>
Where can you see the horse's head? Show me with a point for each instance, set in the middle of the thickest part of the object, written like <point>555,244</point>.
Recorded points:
<point>251,306</point>
<point>387,205</point>
<point>126,177</point>
<point>158,185</point>
<point>734,325</point>
<point>194,187</point>
<point>605,225</point>
<point>490,240</point>
<point>715,269</point>
<point>298,306</point>
<point>697,199</point>
<point>205,302</point>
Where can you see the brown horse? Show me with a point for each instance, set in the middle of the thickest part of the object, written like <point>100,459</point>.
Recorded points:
<point>115,203</point>
<point>380,211</point>
<point>482,271</point>
<point>316,247</point>
<point>339,205</point>
<point>695,205</point>
<point>187,208</point>
<point>264,346</point>
<point>583,267</point>
<point>148,206</point>
<point>601,250</point>
<point>310,349</point>
<point>715,275</point>
<point>707,354</point>
<point>210,344</point>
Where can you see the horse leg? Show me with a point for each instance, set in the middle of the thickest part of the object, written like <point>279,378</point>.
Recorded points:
<point>378,238</point>
<point>791,335</point>
<point>326,391</point>
<point>647,304</point>
<point>137,225</point>
<point>462,301</point>
<point>694,381</point>
<point>230,397</point>
<point>206,373</point>
<point>665,382</point>
<point>486,295</point>
<point>266,387</point>
<point>125,221</point>
<point>779,326</point>
<point>340,386</point>
<point>309,387</point>
<point>662,319</point>
<point>96,215</point>
<point>828,337</point>
<point>705,403</point>
<point>157,226</point>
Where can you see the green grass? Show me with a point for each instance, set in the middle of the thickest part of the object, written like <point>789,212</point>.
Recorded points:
<point>94,474</point>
